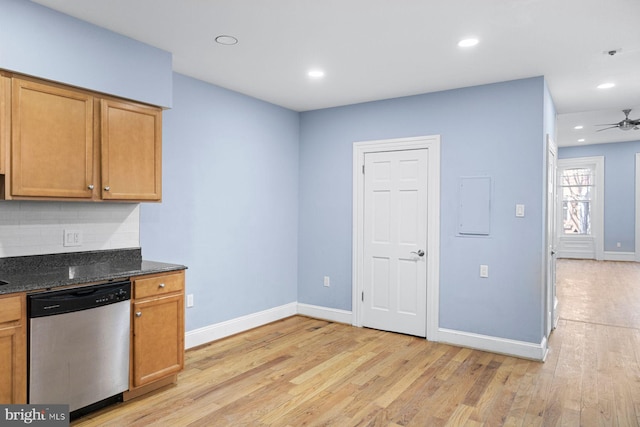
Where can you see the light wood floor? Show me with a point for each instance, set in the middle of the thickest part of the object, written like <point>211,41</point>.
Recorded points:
<point>302,371</point>
<point>606,293</point>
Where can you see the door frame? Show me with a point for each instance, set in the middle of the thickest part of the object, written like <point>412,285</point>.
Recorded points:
<point>432,144</point>
<point>637,225</point>
<point>551,236</point>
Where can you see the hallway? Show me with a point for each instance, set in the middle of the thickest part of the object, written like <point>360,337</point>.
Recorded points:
<point>596,347</point>
<point>599,292</point>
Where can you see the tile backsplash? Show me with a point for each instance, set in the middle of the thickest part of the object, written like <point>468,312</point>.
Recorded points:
<point>36,228</point>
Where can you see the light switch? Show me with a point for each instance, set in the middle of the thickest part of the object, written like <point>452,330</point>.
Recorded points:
<point>484,270</point>
<point>520,211</point>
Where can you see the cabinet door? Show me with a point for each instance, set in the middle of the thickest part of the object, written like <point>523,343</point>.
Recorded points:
<point>5,131</point>
<point>158,338</point>
<point>52,141</point>
<point>13,350</point>
<point>131,137</point>
<point>12,365</point>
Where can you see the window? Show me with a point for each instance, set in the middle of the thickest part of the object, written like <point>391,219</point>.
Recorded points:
<point>577,189</point>
<point>580,217</point>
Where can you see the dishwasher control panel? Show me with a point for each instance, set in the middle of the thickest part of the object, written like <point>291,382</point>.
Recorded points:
<point>68,300</point>
<point>116,296</point>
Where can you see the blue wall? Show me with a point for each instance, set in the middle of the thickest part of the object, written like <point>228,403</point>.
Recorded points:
<point>493,130</point>
<point>619,190</point>
<point>230,201</point>
<point>41,42</point>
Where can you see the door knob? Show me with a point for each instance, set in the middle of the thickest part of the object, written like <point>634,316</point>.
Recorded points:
<point>419,253</point>
<point>138,313</point>
<point>107,188</point>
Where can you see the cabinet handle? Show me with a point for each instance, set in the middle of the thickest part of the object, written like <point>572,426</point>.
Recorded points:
<point>161,285</point>
<point>138,314</point>
<point>90,186</point>
<point>107,188</point>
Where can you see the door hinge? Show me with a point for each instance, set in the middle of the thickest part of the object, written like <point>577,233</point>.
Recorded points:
<point>363,169</point>
<point>363,296</point>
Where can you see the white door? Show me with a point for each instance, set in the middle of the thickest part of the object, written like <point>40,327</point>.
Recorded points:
<point>552,173</point>
<point>395,241</point>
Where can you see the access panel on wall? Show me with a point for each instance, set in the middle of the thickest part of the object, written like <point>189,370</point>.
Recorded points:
<point>474,205</point>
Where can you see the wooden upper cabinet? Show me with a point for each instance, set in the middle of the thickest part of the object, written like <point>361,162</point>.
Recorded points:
<point>131,144</point>
<point>52,141</point>
<point>5,117</point>
<point>60,142</point>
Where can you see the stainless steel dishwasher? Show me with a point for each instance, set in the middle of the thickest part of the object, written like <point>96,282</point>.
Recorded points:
<point>79,346</point>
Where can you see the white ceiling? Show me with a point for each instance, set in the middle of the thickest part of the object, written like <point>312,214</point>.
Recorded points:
<point>377,49</point>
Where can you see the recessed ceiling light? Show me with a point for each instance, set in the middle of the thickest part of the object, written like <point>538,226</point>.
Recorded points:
<point>581,140</point>
<point>226,40</point>
<point>468,42</point>
<point>578,127</point>
<point>316,74</point>
<point>606,85</point>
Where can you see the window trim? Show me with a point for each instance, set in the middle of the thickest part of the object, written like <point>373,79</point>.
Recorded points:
<point>596,239</point>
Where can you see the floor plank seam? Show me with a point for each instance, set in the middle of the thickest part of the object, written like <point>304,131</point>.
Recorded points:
<point>599,324</point>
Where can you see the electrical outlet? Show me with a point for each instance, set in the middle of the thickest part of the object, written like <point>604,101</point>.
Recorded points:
<point>189,300</point>
<point>72,238</point>
<point>327,281</point>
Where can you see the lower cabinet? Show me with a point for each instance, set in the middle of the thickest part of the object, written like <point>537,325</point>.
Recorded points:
<point>157,337</point>
<point>13,349</point>
<point>157,328</point>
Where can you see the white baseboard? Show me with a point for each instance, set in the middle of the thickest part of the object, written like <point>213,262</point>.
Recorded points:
<point>509,347</point>
<point>325,313</point>
<point>575,255</point>
<point>214,332</point>
<point>606,256</point>
<point>619,256</point>
<point>220,330</point>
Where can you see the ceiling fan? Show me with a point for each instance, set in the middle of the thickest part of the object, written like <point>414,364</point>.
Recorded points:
<point>625,124</point>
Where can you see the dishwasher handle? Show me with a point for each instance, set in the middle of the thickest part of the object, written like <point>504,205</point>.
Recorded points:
<point>84,292</point>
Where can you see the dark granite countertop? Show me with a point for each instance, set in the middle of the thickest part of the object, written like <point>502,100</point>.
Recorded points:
<point>40,272</point>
